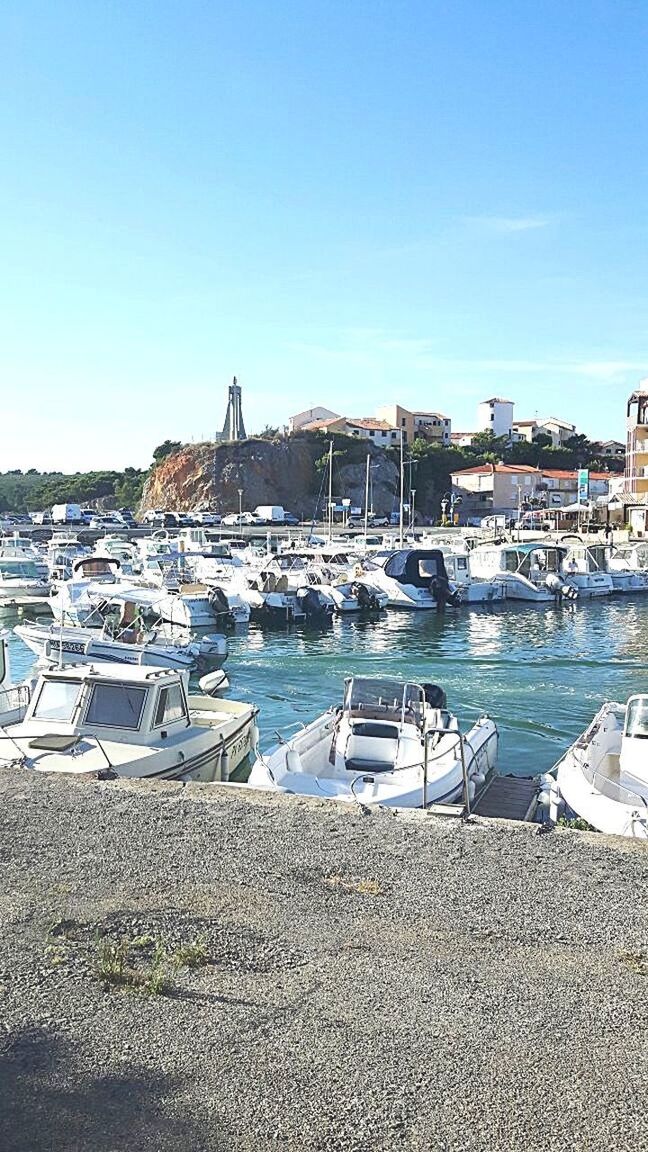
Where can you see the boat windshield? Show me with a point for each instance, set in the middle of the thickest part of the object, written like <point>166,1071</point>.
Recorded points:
<point>115,706</point>
<point>56,700</point>
<point>379,699</point>
<point>97,567</point>
<point>637,718</point>
<point>13,568</point>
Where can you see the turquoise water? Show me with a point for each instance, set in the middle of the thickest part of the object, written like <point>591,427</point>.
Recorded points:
<point>540,671</point>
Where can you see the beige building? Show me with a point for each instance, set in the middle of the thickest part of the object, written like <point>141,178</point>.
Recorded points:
<point>433,426</point>
<point>499,488</point>
<point>636,469</point>
<point>428,425</point>
<point>398,417</point>
<point>365,428</point>
<point>559,430</point>
<point>310,416</point>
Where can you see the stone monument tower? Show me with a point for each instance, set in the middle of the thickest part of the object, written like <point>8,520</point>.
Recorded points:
<point>234,428</point>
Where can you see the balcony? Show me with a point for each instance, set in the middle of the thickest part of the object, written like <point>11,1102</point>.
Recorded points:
<point>641,447</point>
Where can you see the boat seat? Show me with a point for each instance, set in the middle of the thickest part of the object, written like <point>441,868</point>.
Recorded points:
<point>371,748</point>
<point>55,742</point>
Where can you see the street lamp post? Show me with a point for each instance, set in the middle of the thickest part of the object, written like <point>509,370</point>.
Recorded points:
<point>412,499</point>
<point>240,496</point>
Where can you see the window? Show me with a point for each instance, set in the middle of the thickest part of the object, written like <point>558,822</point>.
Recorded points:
<point>393,435</point>
<point>492,416</point>
<point>403,422</point>
<point>116,706</point>
<point>57,700</point>
<point>372,433</point>
<point>637,718</point>
<point>170,706</point>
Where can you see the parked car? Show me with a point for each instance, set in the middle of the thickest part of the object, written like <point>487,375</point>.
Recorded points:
<point>380,522</point>
<point>290,519</point>
<point>207,519</point>
<point>127,517</point>
<point>233,518</point>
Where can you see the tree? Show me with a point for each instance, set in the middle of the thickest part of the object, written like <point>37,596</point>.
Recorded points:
<point>267,433</point>
<point>166,449</point>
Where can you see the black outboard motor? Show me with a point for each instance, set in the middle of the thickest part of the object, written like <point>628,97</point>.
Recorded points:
<point>219,603</point>
<point>435,696</point>
<point>443,593</point>
<point>313,604</point>
<point>366,599</point>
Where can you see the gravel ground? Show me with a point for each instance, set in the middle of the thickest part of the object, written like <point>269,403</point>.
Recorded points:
<point>307,976</point>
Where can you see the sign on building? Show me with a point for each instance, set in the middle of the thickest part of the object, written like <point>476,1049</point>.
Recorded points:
<point>583,485</point>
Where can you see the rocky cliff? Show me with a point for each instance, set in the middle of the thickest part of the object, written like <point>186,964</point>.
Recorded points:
<point>291,472</point>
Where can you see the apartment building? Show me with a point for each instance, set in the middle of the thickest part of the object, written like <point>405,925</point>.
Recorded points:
<point>496,416</point>
<point>498,488</point>
<point>310,416</point>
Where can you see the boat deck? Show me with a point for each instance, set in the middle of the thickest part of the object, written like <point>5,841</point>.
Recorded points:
<point>507,798</point>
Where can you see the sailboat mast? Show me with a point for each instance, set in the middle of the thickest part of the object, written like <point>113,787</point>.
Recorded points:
<point>402,490</point>
<point>330,493</point>
<point>366,516</point>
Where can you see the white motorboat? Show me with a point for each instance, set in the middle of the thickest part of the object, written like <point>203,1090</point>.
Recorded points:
<point>139,722</point>
<point>603,778</point>
<point>391,743</point>
<point>470,589</point>
<point>20,579</point>
<point>585,566</point>
<point>412,578</point>
<point>357,596</point>
<point>281,591</point>
<point>528,571</point>
<point>624,564</point>
<point>131,643</point>
<point>14,698</point>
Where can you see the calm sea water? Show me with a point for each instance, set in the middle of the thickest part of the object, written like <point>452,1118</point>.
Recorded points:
<point>540,671</point>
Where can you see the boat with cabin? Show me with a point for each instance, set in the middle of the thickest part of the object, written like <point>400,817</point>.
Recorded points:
<point>531,570</point>
<point>139,723</point>
<point>414,578</point>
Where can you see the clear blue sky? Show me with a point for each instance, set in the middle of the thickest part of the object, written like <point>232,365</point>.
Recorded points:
<point>345,202</point>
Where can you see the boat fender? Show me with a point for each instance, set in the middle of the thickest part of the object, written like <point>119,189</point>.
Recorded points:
<point>224,765</point>
<point>479,778</point>
<point>293,761</point>
<point>254,736</point>
<point>471,789</point>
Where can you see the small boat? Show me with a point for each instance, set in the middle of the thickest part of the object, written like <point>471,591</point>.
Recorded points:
<point>585,566</point>
<point>124,645</point>
<point>113,721</point>
<point>357,596</point>
<point>603,777</point>
<point>392,743</point>
<point>412,578</point>
<point>469,588</point>
<point>529,571</point>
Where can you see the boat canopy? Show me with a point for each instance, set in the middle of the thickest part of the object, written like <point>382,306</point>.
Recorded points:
<point>416,566</point>
<point>384,699</point>
<point>92,566</point>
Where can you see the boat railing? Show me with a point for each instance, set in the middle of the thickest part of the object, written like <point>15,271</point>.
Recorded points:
<point>427,759</point>
<point>466,760</point>
<point>15,700</point>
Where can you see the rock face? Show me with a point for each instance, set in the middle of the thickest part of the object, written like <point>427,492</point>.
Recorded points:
<point>290,472</point>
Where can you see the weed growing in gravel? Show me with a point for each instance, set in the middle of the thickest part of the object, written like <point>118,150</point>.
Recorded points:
<point>575,822</point>
<point>636,961</point>
<point>192,955</point>
<point>116,963</point>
